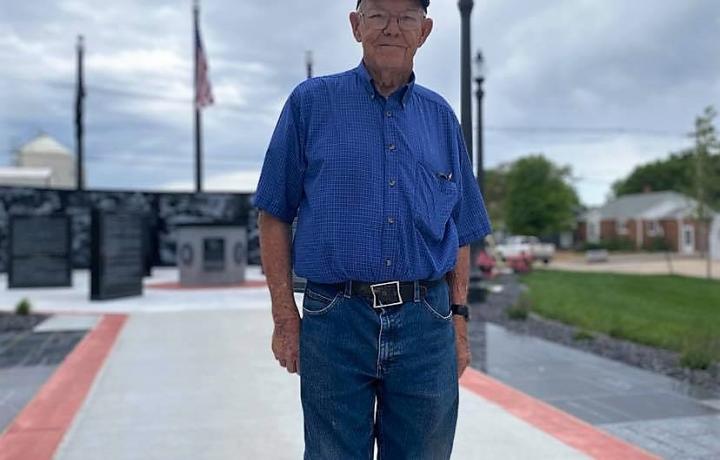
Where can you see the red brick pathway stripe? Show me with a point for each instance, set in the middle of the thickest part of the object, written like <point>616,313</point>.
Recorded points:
<point>570,430</point>
<point>174,285</point>
<point>37,431</point>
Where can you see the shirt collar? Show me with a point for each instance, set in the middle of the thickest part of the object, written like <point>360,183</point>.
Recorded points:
<point>367,82</point>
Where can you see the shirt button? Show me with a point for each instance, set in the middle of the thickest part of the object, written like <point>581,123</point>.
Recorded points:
<point>392,183</point>
<point>392,147</point>
<point>388,114</point>
<point>388,262</point>
<point>391,220</point>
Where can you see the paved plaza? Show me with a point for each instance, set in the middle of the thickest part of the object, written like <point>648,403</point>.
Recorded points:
<point>189,374</point>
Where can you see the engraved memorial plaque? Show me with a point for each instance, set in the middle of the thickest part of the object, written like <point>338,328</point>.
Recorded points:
<point>117,256</point>
<point>213,254</point>
<point>39,252</point>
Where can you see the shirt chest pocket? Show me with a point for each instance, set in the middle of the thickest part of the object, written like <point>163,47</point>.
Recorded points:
<point>434,198</point>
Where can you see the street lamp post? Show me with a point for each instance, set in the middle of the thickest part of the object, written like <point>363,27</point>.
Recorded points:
<point>466,7</point>
<point>480,79</point>
<point>309,63</point>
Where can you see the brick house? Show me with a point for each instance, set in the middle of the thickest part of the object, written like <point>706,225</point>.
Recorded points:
<point>643,220</point>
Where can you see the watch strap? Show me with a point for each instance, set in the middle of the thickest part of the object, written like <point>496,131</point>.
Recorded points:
<point>462,310</point>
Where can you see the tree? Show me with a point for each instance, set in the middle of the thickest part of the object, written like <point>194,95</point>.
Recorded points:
<point>495,190</point>
<point>706,143</point>
<point>680,170</point>
<point>539,199</point>
<point>674,173</point>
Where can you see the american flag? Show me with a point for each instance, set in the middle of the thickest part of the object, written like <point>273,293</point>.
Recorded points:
<point>203,90</point>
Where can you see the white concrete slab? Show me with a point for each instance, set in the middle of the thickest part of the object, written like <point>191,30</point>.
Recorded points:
<point>60,322</point>
<point>77,298</point>
<point>190,385</point>
<point>486,430</point>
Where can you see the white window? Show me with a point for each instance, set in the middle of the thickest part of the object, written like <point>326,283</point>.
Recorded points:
<point>655,229</point>
<point>621,227</point>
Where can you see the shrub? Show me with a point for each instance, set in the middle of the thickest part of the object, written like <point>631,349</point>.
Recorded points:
<point>583,335</point>
<point>587,246</point>
<point>695,359</point>
<point>611,244</point>
<point>657,244</point>
<point>700,351</point>
<point>23,307</point>
<point>619,244</point>
<point>521,309</point>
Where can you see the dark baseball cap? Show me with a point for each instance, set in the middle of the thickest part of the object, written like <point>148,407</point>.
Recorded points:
<point>424,3</point>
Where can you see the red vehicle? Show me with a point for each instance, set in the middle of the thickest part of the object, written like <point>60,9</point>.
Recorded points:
<point>486,263</point>
<point>521,263</point>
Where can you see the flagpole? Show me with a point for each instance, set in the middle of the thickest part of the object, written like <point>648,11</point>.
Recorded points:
<point>198,120</point>
<point>79,98</point>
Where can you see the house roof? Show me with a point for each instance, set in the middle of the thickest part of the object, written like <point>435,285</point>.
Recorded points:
<point>646,206</point>
<point>44,144</point>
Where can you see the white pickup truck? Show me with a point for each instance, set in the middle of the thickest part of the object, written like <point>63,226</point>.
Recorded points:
<point>529,246</point>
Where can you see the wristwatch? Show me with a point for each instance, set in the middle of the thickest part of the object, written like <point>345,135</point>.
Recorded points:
<point>462,310</point>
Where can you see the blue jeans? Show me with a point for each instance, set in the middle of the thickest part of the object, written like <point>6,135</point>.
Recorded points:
<point>404,356</point>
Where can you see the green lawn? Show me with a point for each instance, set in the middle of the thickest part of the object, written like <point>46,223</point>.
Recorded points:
<point>673,312</point>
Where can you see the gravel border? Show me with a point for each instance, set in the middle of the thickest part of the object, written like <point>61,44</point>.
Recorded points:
<point>658,360</point>
<point>10,322</point>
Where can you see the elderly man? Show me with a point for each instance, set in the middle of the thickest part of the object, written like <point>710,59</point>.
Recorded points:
<point>375,168</point>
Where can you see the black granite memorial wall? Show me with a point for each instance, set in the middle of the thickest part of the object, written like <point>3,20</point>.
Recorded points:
<point>163,211</point>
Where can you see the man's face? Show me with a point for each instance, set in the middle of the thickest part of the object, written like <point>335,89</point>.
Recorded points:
<point>393,46</point>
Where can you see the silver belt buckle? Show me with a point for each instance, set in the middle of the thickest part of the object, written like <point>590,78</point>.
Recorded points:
<point>397,289</point>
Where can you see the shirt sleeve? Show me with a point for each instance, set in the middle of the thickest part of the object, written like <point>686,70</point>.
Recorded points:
<point>470,216</point>
<point>280,187</point>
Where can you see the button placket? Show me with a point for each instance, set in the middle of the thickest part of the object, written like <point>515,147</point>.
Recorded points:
<point>390,229</point>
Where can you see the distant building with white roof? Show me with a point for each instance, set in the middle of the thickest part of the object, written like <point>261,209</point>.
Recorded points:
<point>42,162</point>
<point>642,218</point>
<point>25,177</point>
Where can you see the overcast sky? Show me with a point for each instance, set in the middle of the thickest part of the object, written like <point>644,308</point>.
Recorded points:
<point>600,85</point>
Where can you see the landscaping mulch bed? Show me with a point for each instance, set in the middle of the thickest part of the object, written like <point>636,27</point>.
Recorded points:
<point>10,322</point>
<point>666,362</point>
<point>20,346</point>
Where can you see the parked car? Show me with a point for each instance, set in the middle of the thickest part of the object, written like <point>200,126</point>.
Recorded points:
<point>525,246</point>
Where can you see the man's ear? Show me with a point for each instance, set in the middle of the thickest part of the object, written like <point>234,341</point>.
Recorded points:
<point>427,27</point>
<point>355,24</point>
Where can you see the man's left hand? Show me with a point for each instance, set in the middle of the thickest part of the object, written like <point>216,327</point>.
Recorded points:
<point>462,344</point>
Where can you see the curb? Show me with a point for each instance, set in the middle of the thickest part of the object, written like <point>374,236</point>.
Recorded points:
<point>566,428</point>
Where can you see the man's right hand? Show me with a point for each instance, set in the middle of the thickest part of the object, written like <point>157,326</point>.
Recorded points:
<point>286,340</point>
<point>275,253</point>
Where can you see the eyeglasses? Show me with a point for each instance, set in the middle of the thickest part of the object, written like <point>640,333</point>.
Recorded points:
<point>379,20</point>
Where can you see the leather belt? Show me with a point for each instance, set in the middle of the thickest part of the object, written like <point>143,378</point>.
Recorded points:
<point>389,293</point>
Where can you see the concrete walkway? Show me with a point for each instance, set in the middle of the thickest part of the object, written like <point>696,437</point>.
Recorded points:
<point>173,376</point>
<point>204,385</point>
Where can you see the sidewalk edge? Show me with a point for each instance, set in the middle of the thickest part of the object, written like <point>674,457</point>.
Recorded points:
<point>568,429</point>
<point>38,429</point>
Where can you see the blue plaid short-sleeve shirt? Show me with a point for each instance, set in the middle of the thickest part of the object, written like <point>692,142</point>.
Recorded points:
<point>382,188</point>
